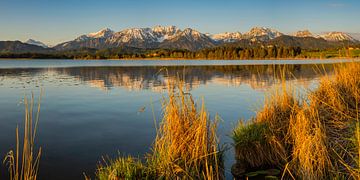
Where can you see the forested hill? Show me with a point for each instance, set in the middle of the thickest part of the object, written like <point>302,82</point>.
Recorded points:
<point>20,47</point>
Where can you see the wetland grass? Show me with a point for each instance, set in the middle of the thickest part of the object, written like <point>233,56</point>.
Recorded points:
<point>315,139</point>
<point>186,145</point>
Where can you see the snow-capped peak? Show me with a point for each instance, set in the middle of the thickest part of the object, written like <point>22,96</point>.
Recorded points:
<point>192,33</point>
<point>263,31</point>
<point>165,32</point>
<point>337,36</point>
<point>155,34</point>
<point>227,36</point>
<point>132,34</point>
<point>165,29</point>
<point>37,43</point>
<point>304,33</point>
<point>104,33</point>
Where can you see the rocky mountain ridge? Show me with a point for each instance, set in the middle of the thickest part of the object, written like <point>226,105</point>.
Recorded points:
<point>190,39</point>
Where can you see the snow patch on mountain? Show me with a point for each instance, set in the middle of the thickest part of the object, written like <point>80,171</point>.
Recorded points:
<point>104,33</point>
<point>263,33</point>
<point>355,35</point>
<point>304,33</point>
<point>163,33</point>
<point>337,36</point>
<point>151,35</point>
<point>191,34</point>
<point>227,36</point>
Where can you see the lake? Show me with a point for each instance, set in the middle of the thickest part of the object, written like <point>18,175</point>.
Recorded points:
<point>91,109</point>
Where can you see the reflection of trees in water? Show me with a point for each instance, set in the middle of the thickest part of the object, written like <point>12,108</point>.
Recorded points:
<point>157,78</point>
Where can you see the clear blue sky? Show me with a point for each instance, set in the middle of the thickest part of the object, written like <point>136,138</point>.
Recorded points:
<point>53,21</point>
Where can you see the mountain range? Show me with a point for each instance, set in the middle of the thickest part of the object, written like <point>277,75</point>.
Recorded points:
<point>156,37</point>
<point>171,37</point>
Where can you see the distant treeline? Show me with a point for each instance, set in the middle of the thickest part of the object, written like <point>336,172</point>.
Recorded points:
<point>34,56</point>
<point>225,52</point>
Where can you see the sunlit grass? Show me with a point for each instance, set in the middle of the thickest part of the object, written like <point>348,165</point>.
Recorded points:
<point>252,146</point>
<point>125,168</point>
<point>315,139</point>
<point>186,145</point>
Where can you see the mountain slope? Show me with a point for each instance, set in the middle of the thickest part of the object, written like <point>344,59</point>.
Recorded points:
<point>91,40</point>
<point>37,43</point>
<point>338,36</point>
<point>355,36</point>
<point>135,37</point>
<point>227,37</point>
<point>104,33</point>
<point>188,39</point>
<point>302,42</point>
<point>262,34</point>
<point>19,47</point>
<point>304,33</point>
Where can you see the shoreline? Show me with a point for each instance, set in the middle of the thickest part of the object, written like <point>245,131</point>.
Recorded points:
<point>179,59</point>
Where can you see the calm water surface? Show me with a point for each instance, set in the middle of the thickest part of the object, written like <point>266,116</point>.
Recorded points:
<point>92,108</point>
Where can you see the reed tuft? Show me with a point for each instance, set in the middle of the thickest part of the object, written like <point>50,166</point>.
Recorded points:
<point>23,162</point>
<point>315,139</point>
<point>186,145</point>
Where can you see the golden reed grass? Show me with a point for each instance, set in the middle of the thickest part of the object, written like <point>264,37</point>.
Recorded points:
<point>186,145</point>
<point>268,149</point>
<point>23,162</point>
<point>317,138</point>
<point>310,158</point>
<point>334,109</point>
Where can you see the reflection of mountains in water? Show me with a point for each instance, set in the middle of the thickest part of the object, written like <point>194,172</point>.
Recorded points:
<point>158,78</point>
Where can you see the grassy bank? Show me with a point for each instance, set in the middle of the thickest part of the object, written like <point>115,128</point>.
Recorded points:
<point>186,146</point>
<point>312,138</point>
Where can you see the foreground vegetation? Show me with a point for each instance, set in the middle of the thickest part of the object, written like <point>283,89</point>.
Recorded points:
<point>316,138</point>
<point>222,52</point>
<point>186,146</point>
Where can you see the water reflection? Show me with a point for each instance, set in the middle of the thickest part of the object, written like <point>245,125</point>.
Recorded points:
<point>259,77</point>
